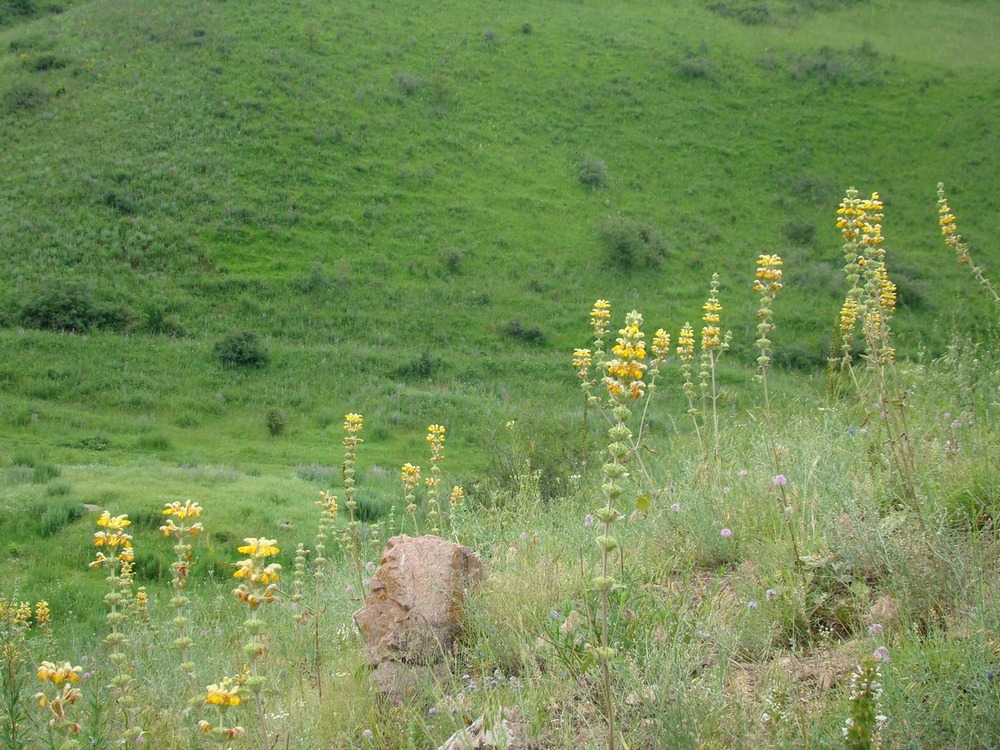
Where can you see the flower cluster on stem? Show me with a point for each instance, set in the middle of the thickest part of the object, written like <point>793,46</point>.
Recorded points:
<point>353,424</point>
<point>222,696</point>
<point>115,555</point>
<point>57,697</point>
<point>435,439</point>
<point>949,229</point>
<point>411,480</point>
<point>258,585</point>
<point>182,532</point>
<point>861,727</point>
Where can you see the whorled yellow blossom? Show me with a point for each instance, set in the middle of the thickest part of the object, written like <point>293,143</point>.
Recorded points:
<point>949,227</point>
<point>848,316</point>
<point>221,733</point>
<point>582,360</point>
<point>435,434</point>
<point>353,424</point>
<point>625,371</point>
<point>43,615</point>
<point>115,535</point>
<point>887,292</point>
<point>254,573</point>
<point>457,495</point>
<point>48,672</point>
<point>660,345</point>
<point>183,511</point>
<point>328,504</point>
<point>600,316</point>
<point>224,693</point>
<point>258,548</point>
<point>685,343</point>
<point>768,277</point>
<point>410,477</point>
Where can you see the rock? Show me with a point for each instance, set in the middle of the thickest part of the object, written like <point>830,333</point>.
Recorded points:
<point>507,734</point>
<point>414,609</point>
<point>885,611</point>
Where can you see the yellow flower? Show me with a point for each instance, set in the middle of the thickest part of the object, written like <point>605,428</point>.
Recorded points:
<point>258,547</point>
<point>581,359</point>
<point>768,277</point>
<point>457,495</point>
<point>661,344</point>
<point>188,510</point>
<point>49,672</point>
<point>354,423</point>
<point>222,694</point>
<point>42,613</point>
<point>411,477</point>
<point>113,524</point>
<point>328,502</point>
<point>685,343</point>
<point>848,316</point>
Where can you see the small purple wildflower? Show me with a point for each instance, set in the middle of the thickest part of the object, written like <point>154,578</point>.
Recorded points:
<point>770,593</point>
<point>726,533</point>
<point>367,734</point>
<point>863,431</point>
<point>956,424</point>
<point>431,711</point>
<point>753,605</point>
<point>588,521</point>
<point>780,480</point>
<point>726,490</point>
<point>881,653</point>
<point>875,628</point>
<point>743,472</point>
<point>676,507</point>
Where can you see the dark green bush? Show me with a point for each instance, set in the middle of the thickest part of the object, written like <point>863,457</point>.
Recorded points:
<point>593,172</point>
<point>526,334</point>
<point>629,243</point>
<point>47,61</point>
<point>69,306</point>
<point>53,516</point>
<point>421,368</point>
<point>241,350</point>
<point>24,96</point>
<point>276,421</point>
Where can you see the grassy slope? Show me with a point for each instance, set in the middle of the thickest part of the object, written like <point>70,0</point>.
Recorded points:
<point>205,157</point>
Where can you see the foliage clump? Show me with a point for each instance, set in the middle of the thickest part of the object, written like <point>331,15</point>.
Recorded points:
<point>630,244</point>
<point>242,350</point>
<point>70,306</point>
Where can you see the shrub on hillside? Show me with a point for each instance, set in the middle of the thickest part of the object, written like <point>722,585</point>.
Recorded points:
<point>241,350</point>
<point>276,420</point>
<point>69,306</point>
<point>24,96</point>
<point>629,243</point>
<point>593,172</point>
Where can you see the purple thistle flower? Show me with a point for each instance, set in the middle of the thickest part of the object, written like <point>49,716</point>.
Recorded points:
<point>780,480</point>
<point>726,533</point>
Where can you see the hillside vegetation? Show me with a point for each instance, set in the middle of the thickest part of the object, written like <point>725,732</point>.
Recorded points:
<point>224,226</point>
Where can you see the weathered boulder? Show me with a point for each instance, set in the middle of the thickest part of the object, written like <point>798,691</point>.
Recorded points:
<point>503,733</point>
<point>414,609</point>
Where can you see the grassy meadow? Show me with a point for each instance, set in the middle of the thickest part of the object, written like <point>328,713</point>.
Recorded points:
<point>225,226</point>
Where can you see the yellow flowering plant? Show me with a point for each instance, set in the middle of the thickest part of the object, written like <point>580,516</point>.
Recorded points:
<point>258,585</point>
<point>954,240</point>
<point>353,424</point>
<point>57,698</point>
<point>115,555</point>
<point>222,696</point>
<point>178,528</point>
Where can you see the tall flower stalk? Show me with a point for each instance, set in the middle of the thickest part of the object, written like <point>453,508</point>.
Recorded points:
<point>872,301</point>
<point>713,344</point>
<point>411,480</point>
<point>435,439</point>
<point>57,698</point>
<point>767,282</point>
<point>685,352</point>
<point>114,540</point>
<point>353,424</point>
<point>624,382</point>
<point>258,585</point>
<point>946,220</point>
<point>182,532</point>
